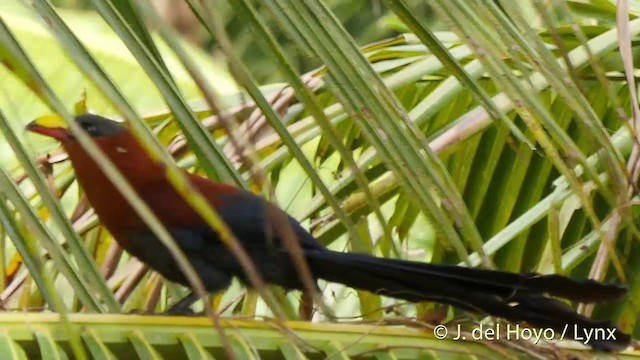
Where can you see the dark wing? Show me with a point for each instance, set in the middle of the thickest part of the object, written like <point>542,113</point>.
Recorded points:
<point>247,217</point>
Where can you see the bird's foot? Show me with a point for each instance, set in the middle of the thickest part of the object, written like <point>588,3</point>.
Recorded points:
<point>180,308</point>
<point>169,312</point>
<point>173,311</point>
<point>140,312</point>
<point>183,307</point>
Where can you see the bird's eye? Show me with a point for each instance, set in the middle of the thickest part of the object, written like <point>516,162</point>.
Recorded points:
<point>91,129</point>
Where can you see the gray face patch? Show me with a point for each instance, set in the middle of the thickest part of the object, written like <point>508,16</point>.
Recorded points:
<point>97,126</point>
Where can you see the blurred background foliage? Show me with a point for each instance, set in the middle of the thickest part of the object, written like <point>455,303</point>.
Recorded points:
<point>367,21</point>
<point>508,188</point>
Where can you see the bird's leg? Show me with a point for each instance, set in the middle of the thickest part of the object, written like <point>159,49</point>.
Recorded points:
<point>182,307</point>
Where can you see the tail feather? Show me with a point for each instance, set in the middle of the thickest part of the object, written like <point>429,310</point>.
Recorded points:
<point>515,297</point>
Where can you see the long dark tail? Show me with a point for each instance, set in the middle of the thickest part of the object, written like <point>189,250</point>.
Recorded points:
<point>515,297</point>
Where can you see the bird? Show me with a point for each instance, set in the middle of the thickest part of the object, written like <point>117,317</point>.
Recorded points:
<point>529,298</point>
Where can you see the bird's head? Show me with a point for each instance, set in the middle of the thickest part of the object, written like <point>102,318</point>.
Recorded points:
<point>115,141</point>
<point>94,125</point>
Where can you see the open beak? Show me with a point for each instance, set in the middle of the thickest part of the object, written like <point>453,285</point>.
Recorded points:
<point>50,125</point>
